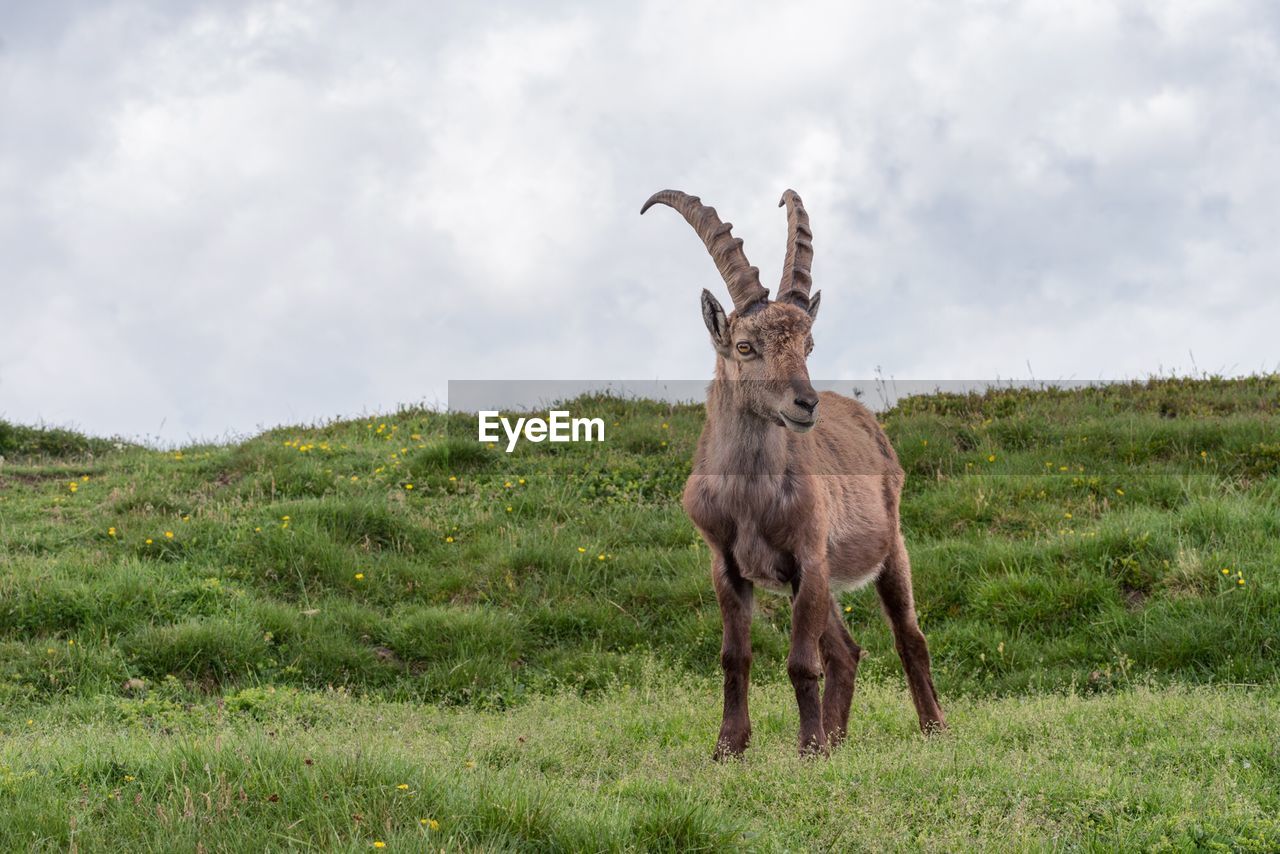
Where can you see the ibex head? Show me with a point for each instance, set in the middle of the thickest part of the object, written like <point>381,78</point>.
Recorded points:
<point>763,344</point>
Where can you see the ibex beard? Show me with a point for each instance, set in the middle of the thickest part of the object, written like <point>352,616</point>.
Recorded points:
<point>794,491</point>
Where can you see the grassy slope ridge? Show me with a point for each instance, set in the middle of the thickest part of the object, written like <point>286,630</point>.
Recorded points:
<point>1072,541</point>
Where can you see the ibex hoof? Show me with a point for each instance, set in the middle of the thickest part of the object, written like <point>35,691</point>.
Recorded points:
<point>933,726</point>
<point>814,746</point>
<point>730,747</point>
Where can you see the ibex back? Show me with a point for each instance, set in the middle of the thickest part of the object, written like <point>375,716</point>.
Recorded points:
<point>793,490</point>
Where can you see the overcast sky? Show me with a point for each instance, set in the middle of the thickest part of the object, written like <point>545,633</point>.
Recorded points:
<point>214,219</point>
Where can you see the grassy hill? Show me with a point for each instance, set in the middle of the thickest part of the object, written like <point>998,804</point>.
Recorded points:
<point>1098,572</point>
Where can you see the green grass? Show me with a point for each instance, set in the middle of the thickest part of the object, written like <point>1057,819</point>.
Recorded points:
<point>395,599</point>
<point>1165,769</point>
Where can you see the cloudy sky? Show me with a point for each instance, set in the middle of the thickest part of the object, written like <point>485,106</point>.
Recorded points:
<point>214,219</point>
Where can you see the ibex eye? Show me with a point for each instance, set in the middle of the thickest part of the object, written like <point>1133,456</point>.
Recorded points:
<point>744,348</point>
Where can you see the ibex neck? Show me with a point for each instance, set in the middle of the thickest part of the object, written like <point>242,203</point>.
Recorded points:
<point>738,440</point>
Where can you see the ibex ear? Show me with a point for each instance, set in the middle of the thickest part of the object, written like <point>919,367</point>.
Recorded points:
<point>717,322</point>
<point>814,302</point>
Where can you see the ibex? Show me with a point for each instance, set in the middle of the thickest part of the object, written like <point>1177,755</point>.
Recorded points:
<point>793,490</point>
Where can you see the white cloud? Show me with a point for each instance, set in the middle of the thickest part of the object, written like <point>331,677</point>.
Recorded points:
<point>290,210</point>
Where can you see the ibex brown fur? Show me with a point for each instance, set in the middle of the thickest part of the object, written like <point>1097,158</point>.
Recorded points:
<point>790,500</point>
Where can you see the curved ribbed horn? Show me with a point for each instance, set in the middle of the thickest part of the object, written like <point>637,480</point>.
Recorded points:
<point>742,279</point>
<point>796,276</point>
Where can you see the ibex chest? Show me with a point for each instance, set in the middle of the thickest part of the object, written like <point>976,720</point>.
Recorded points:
<point>757,520</point>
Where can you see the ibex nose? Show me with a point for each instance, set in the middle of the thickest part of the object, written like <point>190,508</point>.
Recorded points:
<point>807,402</point>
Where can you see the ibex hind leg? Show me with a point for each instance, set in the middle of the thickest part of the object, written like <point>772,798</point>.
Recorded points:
<point>894,586</point>
<point>840,657</point>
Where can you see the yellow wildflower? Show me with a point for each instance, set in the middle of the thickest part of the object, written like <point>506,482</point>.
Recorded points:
<point>403,787</point>
<point>359,576</point>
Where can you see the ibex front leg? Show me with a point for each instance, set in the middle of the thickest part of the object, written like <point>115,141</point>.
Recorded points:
<point>735,596</point>
<point>809,614</point>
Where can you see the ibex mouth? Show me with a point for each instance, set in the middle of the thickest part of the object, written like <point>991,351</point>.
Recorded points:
<point>797,426</point>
